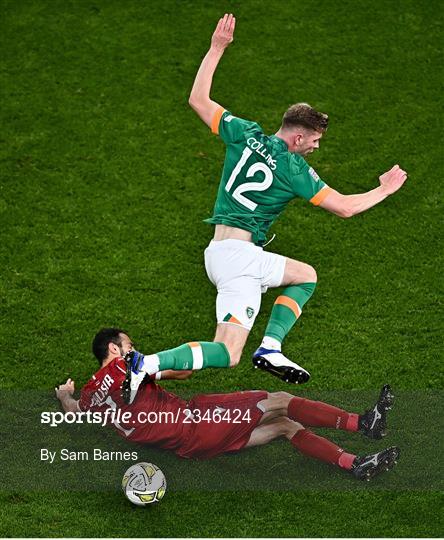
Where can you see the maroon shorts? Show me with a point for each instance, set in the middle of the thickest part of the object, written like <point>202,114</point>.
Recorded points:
<point>220,423</point>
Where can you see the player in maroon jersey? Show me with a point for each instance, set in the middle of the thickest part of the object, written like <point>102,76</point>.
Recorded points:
<point>211,424</point>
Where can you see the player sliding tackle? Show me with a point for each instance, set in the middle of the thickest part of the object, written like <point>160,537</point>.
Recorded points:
<point>219,423</point>
<point>261,175</point>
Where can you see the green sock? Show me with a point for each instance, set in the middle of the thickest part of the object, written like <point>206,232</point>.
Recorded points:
<point>287,309</point>
<point>195,355</point>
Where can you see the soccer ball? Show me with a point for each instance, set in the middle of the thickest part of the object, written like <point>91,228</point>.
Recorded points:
<point>144,483</point>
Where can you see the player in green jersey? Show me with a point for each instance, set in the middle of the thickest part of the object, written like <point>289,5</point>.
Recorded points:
<point>261,174</point>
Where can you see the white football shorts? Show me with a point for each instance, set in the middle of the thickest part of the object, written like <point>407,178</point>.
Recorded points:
<point>241,272</point>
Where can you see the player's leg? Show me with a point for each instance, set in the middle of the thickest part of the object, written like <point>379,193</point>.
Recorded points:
<point>189,356</point>
<point>362,467</point>
<point>193,355</point>
<point>308,412</point>
<point>237,304</point>
<point>236,268</point>
<point>242,297</point>
<point>300,280</point>
<point>312,445</point>
<point>311,413</point>
<point>234,337</point>
<point>231,266</point>
<point>266,431</point>
<point>275,423</point>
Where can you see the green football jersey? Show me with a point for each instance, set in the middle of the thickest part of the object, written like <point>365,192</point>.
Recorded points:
<point>260,177</point>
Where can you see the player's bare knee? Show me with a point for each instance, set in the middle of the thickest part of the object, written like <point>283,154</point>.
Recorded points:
<point>297,272</point>
<point>282,398</point>
<point>313,276</point>
<point>291,427</point>
<point>309,275</point>
<point>287,427</point>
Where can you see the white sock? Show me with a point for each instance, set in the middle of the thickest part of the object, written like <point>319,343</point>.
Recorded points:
<point>271,343</point>
<point>150,364</point>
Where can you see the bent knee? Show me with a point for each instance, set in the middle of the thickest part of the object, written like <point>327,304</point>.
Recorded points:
<point>310,274</point>
<point>313,275</point>
<point>298,272</point>
<point>277,401</point>
<point>288,427</point>
<point>292,427</point>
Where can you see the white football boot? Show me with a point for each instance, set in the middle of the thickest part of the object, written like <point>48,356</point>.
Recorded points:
<point>278,365</point>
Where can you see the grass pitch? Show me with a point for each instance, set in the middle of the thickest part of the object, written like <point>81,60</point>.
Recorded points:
<point>106,176</point>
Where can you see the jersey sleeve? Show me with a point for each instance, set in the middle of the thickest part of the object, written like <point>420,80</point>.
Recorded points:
<point>231,129</point>
<point>307,184</point>
<point>85,399</point>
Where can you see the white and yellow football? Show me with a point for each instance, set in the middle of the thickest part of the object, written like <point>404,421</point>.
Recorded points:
<point>144,483</point>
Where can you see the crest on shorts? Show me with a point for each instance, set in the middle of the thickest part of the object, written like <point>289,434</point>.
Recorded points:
<point>250,312</point>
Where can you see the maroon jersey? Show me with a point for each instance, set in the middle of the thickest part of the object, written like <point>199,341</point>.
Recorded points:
<point>206,426</point>
<point>103,391</point>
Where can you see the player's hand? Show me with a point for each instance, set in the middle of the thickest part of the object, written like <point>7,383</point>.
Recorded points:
<point>66,389</point>
<point>223,35</point>
<point>393,179</point>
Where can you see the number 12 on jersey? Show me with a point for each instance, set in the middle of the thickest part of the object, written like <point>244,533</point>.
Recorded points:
<point>249,186</point>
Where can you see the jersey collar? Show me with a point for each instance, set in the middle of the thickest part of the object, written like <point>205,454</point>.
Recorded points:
<point>280,141</point>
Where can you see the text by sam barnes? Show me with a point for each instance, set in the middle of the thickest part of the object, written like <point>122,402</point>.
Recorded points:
<point>96,454</point>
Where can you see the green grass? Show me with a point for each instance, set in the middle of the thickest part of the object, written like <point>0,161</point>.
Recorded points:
<point>106,176</point>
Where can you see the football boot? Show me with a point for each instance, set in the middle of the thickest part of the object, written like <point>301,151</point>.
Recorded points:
<point>373,423</point>
<point>275,363</point>
<point>134,375</point>
<point>367,467</point>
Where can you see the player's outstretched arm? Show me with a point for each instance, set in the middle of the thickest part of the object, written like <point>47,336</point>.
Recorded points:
<point>200,99</point>
<point>64,393</point>
<point>349,205</point>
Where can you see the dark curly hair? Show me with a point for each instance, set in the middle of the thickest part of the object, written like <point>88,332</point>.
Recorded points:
<point>103,338</point>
